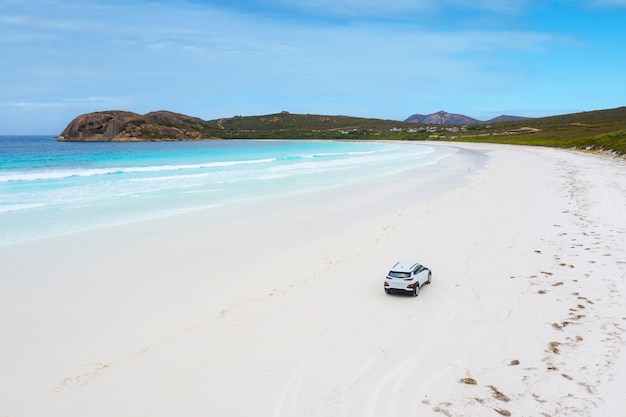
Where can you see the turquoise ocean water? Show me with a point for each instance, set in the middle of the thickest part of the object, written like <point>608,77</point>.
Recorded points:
<point>50,188</point>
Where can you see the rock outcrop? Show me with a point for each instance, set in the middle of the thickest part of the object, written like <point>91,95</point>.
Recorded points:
<point>123,126</point>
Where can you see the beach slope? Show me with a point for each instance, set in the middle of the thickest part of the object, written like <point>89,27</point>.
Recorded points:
<point>276,307</point>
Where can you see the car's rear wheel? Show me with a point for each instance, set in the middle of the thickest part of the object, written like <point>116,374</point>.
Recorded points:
<point>387,291</point>
<point>430,274</point>
<point>416,290</point>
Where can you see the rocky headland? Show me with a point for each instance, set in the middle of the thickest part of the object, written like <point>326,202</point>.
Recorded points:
<point>123,126</point>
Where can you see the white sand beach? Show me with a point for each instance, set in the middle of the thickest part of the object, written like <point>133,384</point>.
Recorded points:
<point>276,307</point>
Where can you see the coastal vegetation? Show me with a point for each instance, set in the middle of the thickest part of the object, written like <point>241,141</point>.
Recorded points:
<point>602,130</point>
<point>285,125</point>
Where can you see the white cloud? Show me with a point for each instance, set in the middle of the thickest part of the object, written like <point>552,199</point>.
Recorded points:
<point>197,59</point>
<point>397,8</point>
<point>38,105</point>
<point>68,102</point>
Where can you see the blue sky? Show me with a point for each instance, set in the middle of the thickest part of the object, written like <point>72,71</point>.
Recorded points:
<point>369,58</point>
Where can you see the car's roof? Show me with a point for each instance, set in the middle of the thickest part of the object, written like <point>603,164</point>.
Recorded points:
<point>404,266</point>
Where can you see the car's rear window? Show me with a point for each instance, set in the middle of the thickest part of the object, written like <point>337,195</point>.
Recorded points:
<point>395,274</point>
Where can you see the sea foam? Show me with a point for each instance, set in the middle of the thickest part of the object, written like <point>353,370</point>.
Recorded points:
<point>49,188</point>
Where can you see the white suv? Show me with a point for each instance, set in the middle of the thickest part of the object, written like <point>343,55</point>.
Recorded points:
<point>407,276</point>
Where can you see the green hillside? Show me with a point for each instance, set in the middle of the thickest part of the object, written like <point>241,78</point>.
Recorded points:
<point>312,126</point>
<point>596,130</point>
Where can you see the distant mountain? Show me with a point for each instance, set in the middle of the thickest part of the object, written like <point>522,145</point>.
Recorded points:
<point>445,118</point>
<point>442,118</point>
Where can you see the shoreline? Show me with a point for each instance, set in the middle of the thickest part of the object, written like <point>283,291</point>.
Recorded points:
<point>286,308</point>
<point>65,213</point>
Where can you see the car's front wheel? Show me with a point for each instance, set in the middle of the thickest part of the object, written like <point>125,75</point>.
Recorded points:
<point>416,289</point>
<point>430,274</point>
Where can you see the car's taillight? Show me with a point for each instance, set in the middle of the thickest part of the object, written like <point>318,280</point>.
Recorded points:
<point>388,277</point>
<point>386,284</point>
